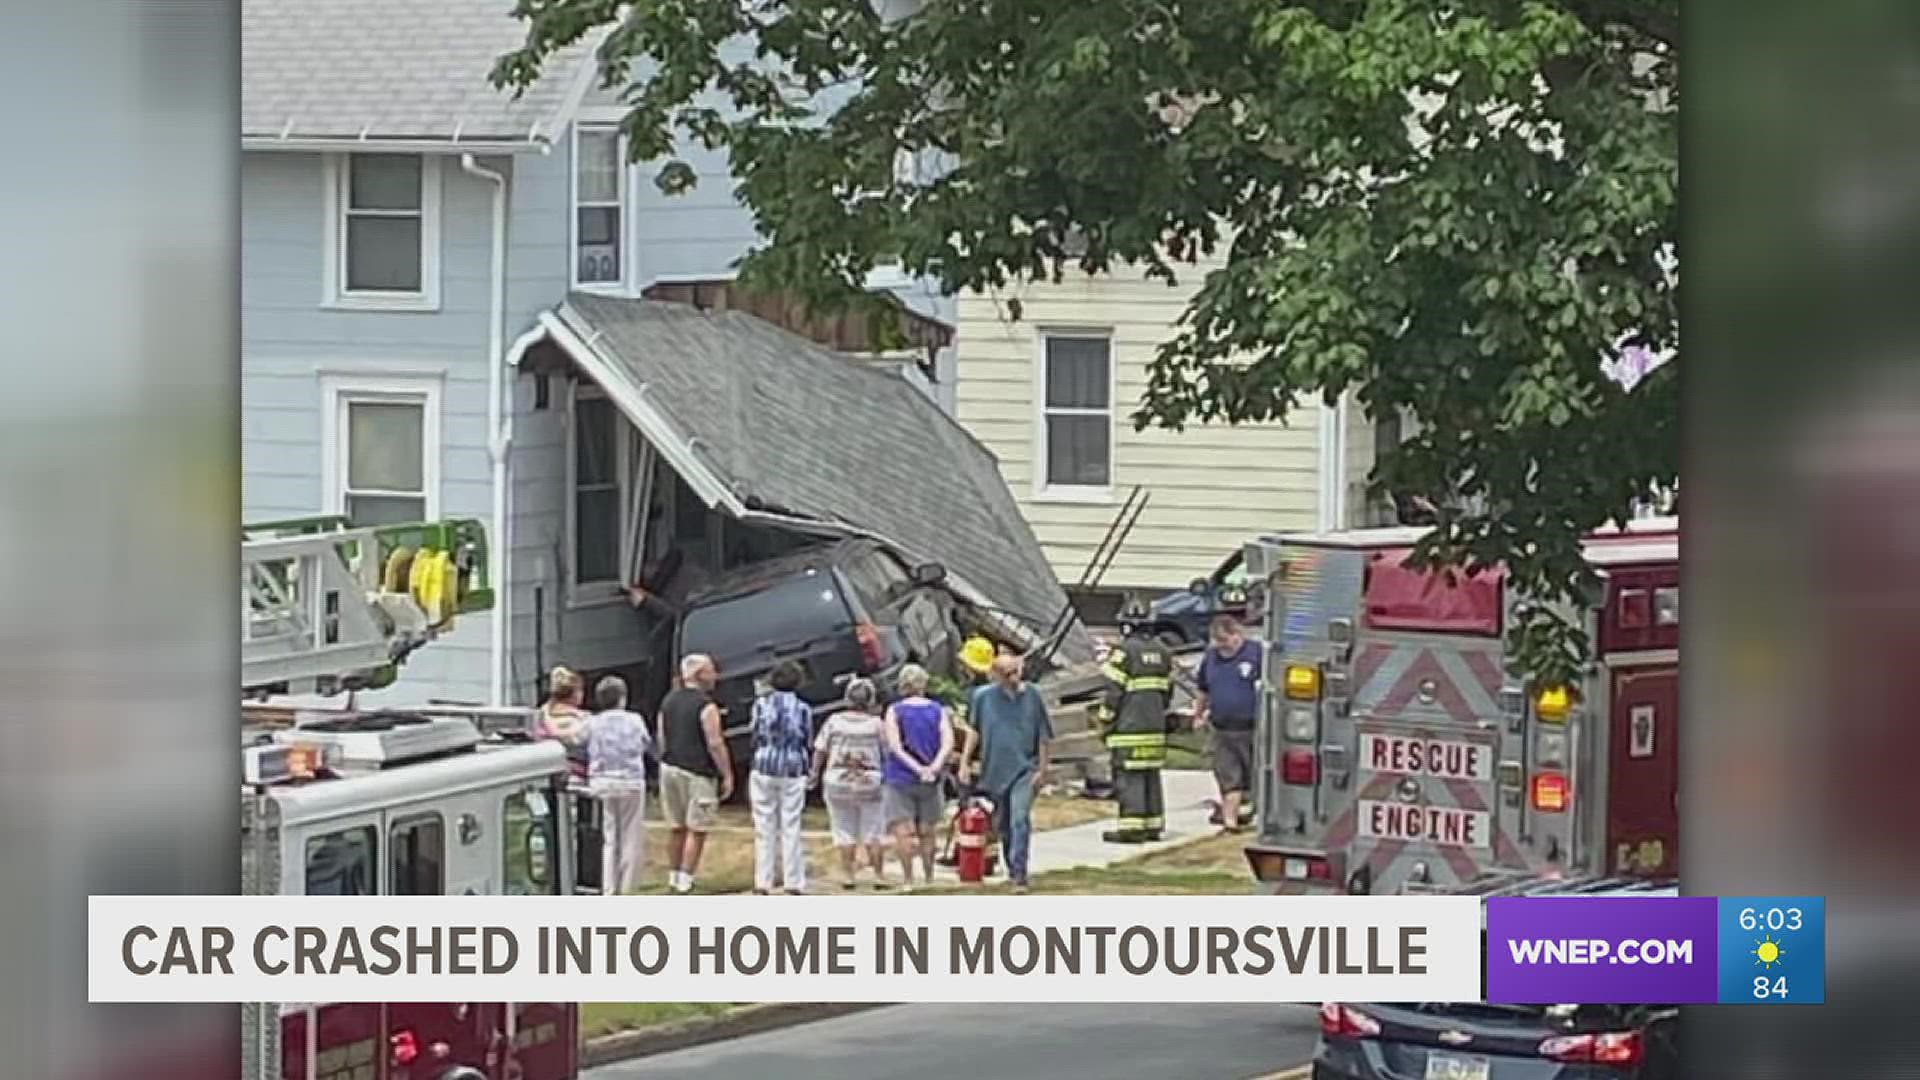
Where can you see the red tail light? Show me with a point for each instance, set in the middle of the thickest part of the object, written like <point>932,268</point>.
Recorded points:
<point>1346,1022</point>
<point>1549,792</point>
<point>872,655</point>
<point>1612,1048</point>
<point>1299,767</point>
<point>406,1048</point>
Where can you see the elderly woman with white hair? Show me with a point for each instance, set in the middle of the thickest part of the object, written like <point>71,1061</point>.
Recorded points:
<point>919,734</point>
<point>847,756</point>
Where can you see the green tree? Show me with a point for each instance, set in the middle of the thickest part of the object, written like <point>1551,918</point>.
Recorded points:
<point>1452,209</point>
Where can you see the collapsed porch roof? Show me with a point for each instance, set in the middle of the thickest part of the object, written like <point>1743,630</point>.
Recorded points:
<point>771,428</point>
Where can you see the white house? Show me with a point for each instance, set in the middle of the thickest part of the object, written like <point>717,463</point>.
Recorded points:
<point>1052,394</point>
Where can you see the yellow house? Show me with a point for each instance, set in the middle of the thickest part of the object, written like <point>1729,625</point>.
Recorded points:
<point>1052,392</point>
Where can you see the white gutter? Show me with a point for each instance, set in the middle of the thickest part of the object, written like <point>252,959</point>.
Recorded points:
<point>349,143</point>
<point>499,434</point>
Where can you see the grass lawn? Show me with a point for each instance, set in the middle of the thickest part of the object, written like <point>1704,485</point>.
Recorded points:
<point>1214,866</point>
<point>599,1018</point>
<point>1065,811</point>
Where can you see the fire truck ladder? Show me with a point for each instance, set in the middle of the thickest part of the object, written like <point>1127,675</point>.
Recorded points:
<point>328,608</point>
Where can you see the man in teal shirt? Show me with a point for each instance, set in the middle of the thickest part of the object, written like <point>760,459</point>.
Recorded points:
<point>1015,732</point>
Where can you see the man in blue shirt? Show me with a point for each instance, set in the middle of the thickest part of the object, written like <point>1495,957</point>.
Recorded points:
<point>1015,733</point>
<point>1229,702</point>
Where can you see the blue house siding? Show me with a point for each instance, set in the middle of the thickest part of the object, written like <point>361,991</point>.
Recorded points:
<point>291,344</point>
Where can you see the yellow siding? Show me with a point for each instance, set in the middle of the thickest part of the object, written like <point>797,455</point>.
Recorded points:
<point>1212,487</point>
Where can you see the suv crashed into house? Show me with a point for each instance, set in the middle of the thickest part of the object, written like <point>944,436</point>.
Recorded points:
<point>795,502</point>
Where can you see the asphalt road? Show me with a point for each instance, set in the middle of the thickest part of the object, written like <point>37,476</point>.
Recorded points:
<point>990,1042</point>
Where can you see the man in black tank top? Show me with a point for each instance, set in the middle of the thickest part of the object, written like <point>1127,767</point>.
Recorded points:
<point>696,772</point>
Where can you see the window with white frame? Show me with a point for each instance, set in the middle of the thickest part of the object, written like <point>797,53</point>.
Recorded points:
<point>384,241</point>
<point>596,450</point>
<point>1076,413</point>
<point>599,197</point>
<point>384,460</point>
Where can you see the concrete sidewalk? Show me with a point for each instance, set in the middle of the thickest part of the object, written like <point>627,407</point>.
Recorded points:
<point>1080,846</point>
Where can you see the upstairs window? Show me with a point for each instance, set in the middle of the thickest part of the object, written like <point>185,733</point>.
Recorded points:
<point>599,200</point>
<point>383,437</point>
<point>1076,413</point>
<point>384,243</point>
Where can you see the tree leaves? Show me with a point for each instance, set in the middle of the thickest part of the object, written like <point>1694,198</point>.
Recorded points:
<point>1455,210</point>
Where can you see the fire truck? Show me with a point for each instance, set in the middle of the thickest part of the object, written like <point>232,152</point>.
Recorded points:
<point>345,802</point>
<point>1403,751</point>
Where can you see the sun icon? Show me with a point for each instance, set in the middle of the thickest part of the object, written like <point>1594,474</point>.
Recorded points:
<point>1768,952</point>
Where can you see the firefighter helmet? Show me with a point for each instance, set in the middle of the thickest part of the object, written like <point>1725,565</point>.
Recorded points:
<point>977,655</point>
<point>1134,615</point>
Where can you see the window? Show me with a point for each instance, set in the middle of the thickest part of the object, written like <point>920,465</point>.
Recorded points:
<point>594,517</point>
<point>1076,416</point>
<point>419,851</point>
<point>530,850</point>
<point>341,863</point>
<point>384,436</point>
<point>876,578</point>
<point>599,196</point>
<point>384,234</point>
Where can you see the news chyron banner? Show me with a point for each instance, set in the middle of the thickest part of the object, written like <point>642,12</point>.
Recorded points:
<point>961,949</point>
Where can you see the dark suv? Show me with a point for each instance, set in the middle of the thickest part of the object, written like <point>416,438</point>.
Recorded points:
<point>838,610</point>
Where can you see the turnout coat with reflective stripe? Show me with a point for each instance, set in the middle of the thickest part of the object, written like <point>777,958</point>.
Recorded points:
<point>1139,675</point>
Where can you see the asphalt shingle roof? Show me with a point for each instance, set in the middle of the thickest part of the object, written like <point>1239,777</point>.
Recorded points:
<point>813,432</point>
<point>413,69</point>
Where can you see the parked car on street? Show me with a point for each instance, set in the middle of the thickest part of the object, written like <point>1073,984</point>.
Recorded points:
<point>1477,1041</point>
<point>1181,618</point>
<point>838,610</point>
<point>1497,1042</point>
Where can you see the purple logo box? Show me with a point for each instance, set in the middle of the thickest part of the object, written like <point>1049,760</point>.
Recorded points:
<point>1627,950</point>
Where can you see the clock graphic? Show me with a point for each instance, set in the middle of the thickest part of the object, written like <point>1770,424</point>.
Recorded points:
<point>1772,950</point>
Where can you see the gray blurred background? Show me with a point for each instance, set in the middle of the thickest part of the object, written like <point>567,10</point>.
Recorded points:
<point>119,489</point>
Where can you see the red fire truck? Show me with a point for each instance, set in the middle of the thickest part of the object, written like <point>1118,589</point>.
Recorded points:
<point>1405,754</point>
<point>343,802</point>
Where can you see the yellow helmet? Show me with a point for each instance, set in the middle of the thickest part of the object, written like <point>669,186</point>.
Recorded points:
<point>977,654</point>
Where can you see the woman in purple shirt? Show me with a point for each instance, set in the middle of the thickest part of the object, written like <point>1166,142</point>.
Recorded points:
<point>919,739</point>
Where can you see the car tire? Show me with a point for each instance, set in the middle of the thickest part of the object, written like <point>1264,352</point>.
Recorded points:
<point>1172,639</point>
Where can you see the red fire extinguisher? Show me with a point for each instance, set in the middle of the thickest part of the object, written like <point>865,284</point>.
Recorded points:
<point>972,826</point>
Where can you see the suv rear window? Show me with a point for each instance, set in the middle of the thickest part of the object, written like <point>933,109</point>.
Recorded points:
<point>792,609</point>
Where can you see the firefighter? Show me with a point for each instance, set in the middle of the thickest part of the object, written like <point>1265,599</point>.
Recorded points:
<point>1139,673</point>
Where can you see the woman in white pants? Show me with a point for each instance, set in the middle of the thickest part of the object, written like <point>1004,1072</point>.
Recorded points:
<point>782,760</point>
<point>848,756</point>
<point>617,745</point>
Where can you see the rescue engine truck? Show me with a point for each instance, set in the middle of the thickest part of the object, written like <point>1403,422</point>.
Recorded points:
<point>1402,751</point>
<point>341,802</point>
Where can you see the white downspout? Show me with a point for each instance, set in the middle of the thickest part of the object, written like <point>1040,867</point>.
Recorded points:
<point>1333,466</point>
<point>499,434</point>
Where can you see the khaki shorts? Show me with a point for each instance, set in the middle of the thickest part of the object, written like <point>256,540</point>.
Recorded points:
<point>1233,760</point>
<point>688,800</point>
